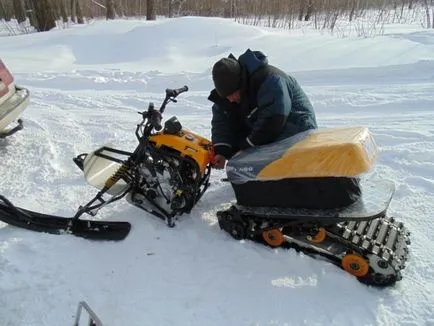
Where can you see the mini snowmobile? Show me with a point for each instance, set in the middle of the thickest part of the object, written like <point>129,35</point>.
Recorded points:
<point>310,192</point>
<point>13,101</point>
<point>165,175</point>
<point>307,192</point>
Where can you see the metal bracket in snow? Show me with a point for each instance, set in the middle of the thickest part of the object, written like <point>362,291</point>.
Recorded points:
<point>93,318</point>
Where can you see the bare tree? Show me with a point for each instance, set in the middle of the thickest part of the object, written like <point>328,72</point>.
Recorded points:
<point>111,13</point>
<point>170,8</point>
<point>6,11</point>
<point>354,4</point>
<point>233,8</point>
<point>310,9</point>
<point>427,11</point>
<point>28,5</point>
<point>73,5</point>
<point>321,14</point>
<point>432,14</point>
<point>119,8</point>
<point>150,10</point>
<point>62,9</point>
<point>79,13</point>
<point>44,15</point>
<point>302,4</point>
<point>20,13</point>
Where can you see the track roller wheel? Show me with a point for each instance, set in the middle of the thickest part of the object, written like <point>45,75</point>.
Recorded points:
<point>355,265</point>
<point>319,236</point>
<point>237,231</point>
<point>273,237</point>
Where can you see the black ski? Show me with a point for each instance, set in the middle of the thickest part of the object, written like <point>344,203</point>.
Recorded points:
<point>94,230</point>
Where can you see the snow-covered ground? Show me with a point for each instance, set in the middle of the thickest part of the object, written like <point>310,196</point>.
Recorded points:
<point>87,83</point>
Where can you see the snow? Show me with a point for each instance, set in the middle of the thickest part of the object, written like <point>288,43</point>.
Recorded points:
<point>88,82</point>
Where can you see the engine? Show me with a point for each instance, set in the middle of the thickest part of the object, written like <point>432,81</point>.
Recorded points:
<point>175,172</point>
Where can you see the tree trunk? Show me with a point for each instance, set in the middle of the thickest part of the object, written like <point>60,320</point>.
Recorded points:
<point>44,15</point>
<point>79,13</point>
<point>56,10</point>
<point>310,10</point>
<point>111,14</point>
<point>6,12</point>
<point>170,3</point>
<point>353,10</point>
<point>432,16</point>
<point>119,8</point>
<point>150,10</point>
<point>62,8</point>
<point>2,11</point>
<point>20,13</point>
<point>73,6</point>
<point>333,22</point>
<point>233,8</point>
<point>31,13</point>
<point>428,18</point>
<point>88,10</point>
<point>301,10</point>
<point>410,4</point>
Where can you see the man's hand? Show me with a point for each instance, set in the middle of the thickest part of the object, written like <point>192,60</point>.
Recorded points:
<point>219,162</point>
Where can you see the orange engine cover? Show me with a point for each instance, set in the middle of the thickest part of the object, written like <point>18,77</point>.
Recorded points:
<point>188,144</point>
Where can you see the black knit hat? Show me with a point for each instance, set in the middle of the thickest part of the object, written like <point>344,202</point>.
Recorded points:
<point>226,74</point>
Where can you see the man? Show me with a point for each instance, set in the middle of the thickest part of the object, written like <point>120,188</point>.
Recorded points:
<point>254,104</point>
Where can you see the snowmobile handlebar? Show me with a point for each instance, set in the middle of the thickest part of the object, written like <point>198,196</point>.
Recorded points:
<point>152,117</point>
<point>171,94</point>
<point>175,92</point>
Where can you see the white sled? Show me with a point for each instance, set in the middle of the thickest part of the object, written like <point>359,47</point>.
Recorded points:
<point>13,101</point>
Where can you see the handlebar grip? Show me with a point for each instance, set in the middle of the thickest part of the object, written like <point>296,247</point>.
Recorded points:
<point>175,92</point>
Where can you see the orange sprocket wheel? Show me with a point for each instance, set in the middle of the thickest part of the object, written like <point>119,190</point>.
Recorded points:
<point>355,265</point>
<point>273,237</point>
<point>320,236</point>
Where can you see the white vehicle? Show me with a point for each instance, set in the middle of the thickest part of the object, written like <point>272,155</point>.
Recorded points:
<point>13,101</point>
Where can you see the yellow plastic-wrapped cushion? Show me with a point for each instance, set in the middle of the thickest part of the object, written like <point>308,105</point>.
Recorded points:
<point>330,152</point>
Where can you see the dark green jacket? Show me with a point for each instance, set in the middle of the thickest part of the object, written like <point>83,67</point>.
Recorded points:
<point>273,107</point>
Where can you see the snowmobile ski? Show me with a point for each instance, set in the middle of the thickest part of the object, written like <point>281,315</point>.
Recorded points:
<point>359,238</point>
<point>6,133</point>
<point>30,220</point>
